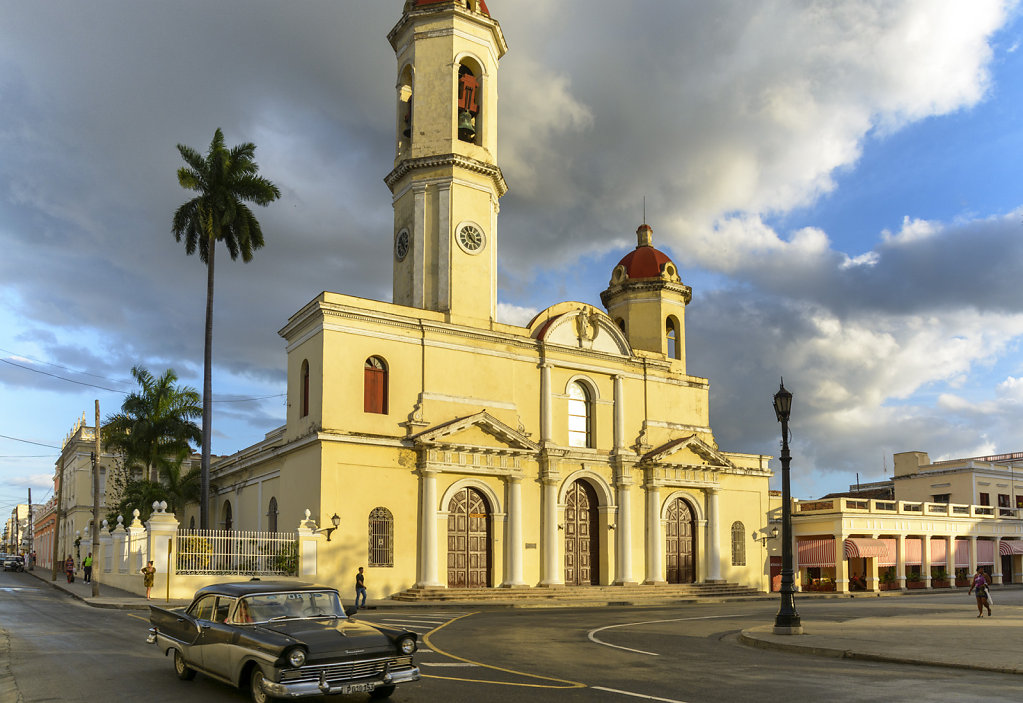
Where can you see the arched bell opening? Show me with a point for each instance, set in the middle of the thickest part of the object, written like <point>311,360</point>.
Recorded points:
<point>405,117</point>
<point>469,115</point>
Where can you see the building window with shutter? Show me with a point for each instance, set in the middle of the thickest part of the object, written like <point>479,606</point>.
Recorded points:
<point>381,537</point>
<point>738,544</point>
<point>375,386</point>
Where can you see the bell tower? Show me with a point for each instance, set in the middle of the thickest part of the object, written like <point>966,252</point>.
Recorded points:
<point>446,183</point>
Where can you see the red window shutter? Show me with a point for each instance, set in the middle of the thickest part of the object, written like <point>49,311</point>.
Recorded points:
<point>375,391</point>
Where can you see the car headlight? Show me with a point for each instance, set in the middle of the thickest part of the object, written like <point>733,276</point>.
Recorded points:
<point>407,645</point>
<point>296,657</point>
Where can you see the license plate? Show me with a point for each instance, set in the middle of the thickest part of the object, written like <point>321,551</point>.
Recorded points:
<point>357,688</point>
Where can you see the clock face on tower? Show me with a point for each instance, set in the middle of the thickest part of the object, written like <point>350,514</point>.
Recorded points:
<point>471,239</point>
<point>401,245</point>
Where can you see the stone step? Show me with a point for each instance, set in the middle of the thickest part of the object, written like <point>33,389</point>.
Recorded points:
<point>577,593</point>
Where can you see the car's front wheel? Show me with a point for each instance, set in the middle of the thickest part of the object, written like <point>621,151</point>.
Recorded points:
<point>256,689</point>
<point>184,672</point>
<point>381,692</point>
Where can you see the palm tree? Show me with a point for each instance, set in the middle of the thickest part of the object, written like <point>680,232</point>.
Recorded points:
<point>225,180</point>
<point>155,427</point>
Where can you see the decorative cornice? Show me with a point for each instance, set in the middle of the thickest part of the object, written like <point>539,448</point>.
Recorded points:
<point>455,160</point>
<point>641,285</point>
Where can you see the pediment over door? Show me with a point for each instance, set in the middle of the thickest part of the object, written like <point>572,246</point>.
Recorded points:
<point>687,461</point>
<point>478,443</point>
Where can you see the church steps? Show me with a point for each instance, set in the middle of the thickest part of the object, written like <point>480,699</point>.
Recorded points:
<point>601,594</point>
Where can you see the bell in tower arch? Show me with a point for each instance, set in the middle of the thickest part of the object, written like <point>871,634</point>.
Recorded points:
<point>468,104</point>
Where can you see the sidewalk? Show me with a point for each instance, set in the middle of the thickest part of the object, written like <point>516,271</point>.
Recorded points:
<point>109,597</point>
<point>953,637</point>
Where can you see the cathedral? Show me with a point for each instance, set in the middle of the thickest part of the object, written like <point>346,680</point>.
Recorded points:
<point>460,452</point>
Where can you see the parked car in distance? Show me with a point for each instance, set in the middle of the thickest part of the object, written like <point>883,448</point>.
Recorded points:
<point>14,562</point>
<point>282,640</point>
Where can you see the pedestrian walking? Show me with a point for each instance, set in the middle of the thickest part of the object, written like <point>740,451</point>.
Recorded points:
<point>148,574</point>
<point>87,566</point>
<point>360,589</point>
<point>69,569</point>
<point>982,586</point>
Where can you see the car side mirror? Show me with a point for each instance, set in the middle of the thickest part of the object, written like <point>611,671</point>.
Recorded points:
<point>351,610</point>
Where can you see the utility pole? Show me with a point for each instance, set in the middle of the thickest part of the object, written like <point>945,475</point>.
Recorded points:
<point>56,521</point>
<point>95,506</point>
<point>31,530</point>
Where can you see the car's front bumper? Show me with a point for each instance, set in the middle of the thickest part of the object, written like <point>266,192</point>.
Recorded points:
<point>322,687</point>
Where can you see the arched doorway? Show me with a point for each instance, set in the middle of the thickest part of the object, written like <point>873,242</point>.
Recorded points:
<point>582,548</point>
<point>680,543</point>
<point>468,540</point>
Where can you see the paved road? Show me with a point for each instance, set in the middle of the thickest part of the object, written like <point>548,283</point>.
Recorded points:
<point>63,650</point>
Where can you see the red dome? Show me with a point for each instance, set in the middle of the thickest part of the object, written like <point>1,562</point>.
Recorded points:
<point>644,261</point>
<point>418,3</point>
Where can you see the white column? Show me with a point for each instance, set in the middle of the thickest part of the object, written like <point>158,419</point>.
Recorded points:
<point>900,561</point>
<point>925,566</point>
<point>996,570</point>
<point>624,536</point>
<point>950,560</point>
<point>546,419</point>
<point>513,542</point>
<point>428,532</point>
<point>552,573</point>
<point>654,550</point>
<point>973,557</point>
<point>619,415</point>
<point>713,536</point>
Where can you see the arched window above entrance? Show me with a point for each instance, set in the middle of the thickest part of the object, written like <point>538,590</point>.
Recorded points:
<point>580,415</point>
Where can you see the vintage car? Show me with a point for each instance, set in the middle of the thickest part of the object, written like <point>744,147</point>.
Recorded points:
<point>14,562</point>
<point>282,640</point>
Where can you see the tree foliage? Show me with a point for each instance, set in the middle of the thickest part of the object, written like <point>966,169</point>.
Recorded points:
<point>225,180</point>
<point>153,435</point>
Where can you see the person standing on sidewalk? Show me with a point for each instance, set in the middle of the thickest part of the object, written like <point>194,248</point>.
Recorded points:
<point>69,569</point>
<point>360,589</point>
<point>981,584</point>
<point>87,567</point>
<point>148,574</point>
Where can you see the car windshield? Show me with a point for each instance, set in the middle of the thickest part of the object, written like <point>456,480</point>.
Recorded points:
<point>292,604</point>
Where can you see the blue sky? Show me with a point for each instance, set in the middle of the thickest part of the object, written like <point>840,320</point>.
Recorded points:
<point>840,185</point>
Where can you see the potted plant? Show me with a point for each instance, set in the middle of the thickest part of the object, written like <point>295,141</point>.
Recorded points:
<point>888,581</point>
<point>939,578</point>
<point>913,580</point>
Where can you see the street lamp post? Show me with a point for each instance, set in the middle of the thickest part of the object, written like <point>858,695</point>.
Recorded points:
<point>786,622</point>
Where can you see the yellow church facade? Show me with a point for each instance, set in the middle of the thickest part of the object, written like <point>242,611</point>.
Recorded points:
<point>461,452</point>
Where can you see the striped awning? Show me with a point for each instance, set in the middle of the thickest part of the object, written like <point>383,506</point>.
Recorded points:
<point>857,547</point>
<point>892,545</point>
<point>815,552</point>
<point>939,551</point>
<point>1009,547</point>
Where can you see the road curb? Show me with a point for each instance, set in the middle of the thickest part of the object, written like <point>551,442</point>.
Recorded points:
<point>747,637</point>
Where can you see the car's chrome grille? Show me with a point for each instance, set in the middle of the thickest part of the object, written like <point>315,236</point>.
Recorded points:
<point>344,671</point>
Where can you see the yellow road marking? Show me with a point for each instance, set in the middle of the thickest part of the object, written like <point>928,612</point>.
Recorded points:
<point>434,647</point>
<point>133,615</point>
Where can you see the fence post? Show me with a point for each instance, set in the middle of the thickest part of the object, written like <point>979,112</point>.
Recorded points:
<point>135,532</point>
<point>162,531</point>
<point>120,549</point>
<point>105,548</point>
<point>308,547</point>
